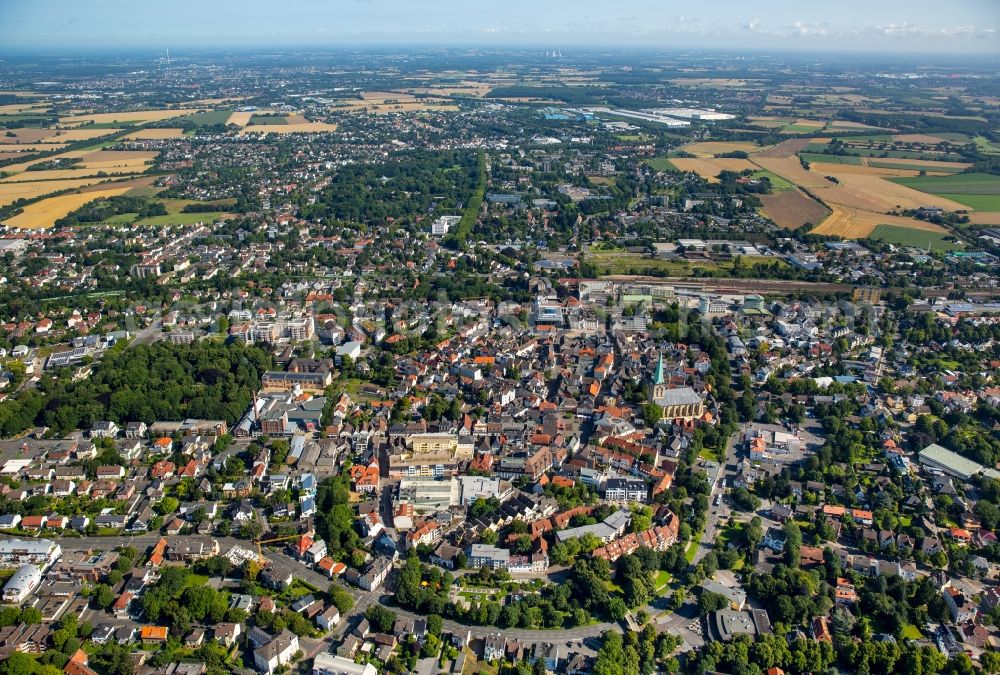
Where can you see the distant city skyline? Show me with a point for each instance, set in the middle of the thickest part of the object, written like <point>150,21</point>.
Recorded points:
<point>911,26</point>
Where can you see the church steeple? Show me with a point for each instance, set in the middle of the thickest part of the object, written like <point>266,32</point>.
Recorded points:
<point>658,377</point>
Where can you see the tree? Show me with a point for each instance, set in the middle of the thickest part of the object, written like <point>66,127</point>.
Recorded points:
<point>617,608</point>
<point>380,618</point>
<point>793,543</point>
<point>709,602</point>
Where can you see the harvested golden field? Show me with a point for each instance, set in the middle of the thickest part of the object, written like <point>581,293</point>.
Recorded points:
<point>59,174</point>
<point>73,135</point>
<point>307,128</point>
<point>852,223</point>
<point>116,161</point>
<point>155,134</point>
<point>22,108</point>
<point>786,148</point>
<point>710,168</point>
<point>873,193</point>
<point>791,170</point>
<point>26,136</point>
<point>843,124</point>
<point>925,139</point>
<point>131,116</point>
<point>928,163</point>
<point>828,169</point>
<point>31,147</point>
<point>985,218</point>
<point>792,209</point>
<point>240,118</point>
<point>11,192</point>
<point>46,212</point>
<point>471,89</point>
<point>709,149</point>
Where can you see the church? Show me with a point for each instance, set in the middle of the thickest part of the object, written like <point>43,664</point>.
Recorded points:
<point>677,402</point>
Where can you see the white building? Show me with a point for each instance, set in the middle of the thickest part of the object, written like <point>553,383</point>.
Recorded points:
<point>277,652</point>
<point>25,580</point>
<point>35,552</point>
<point>331,664</point>
<point>440,227</point>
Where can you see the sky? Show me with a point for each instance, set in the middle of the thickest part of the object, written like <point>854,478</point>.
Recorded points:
<point>905,26</point>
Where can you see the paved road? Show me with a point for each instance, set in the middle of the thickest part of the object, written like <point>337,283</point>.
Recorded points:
<point>708,535</point>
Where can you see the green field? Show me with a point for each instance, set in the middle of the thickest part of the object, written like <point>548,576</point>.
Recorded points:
<point>778,184</point>
<point>661,164</point>
<point>957,184</point>
<point>175,215</point>
<point>830,159</point>
<point>206,119</point>
<point>915,167</point>
<point>620,261</point>
<point>911,632</point>
<point>802,128</point>
<point>905,236</point>
<point>180,218</point>
<point>986,145</point>
<point>977,202</point>
<point>268,119</point>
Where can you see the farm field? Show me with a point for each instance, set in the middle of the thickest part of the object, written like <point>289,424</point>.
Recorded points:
<point>26,136</point>
<point>11,192</point>
<point>44,213</point>
<point>784,149</point>
<point>791,170</point>
<point>977,202</point>
<point>861,170</point>
<point>874,193</point>
<point>851,223</point>
<point>661,164</point>
<point>155,134</point>
<point>305,128</point>
<point>830,159</point>
<point>207,118</point>
<point>905,236</point>
<point>965,183</point>
<point>710,168</point>
<point>792,209</point>
<point>985,218</point>
<point>240,118</point>
<point>131,117</point>
<point>61,174</point>
<point>778,184</point>
<point>709,149</point>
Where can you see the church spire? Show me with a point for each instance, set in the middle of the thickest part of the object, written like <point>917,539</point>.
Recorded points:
<point>658,375</point>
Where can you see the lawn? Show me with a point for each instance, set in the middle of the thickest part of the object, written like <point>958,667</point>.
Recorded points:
<point>663,578</point>
<point>195,580</point>
<point>904,236</point>
<point>778,184</point>
<point>661,164</point>
<point>911,632</point>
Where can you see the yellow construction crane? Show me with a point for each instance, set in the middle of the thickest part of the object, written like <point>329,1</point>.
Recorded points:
<point>273,541</point>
